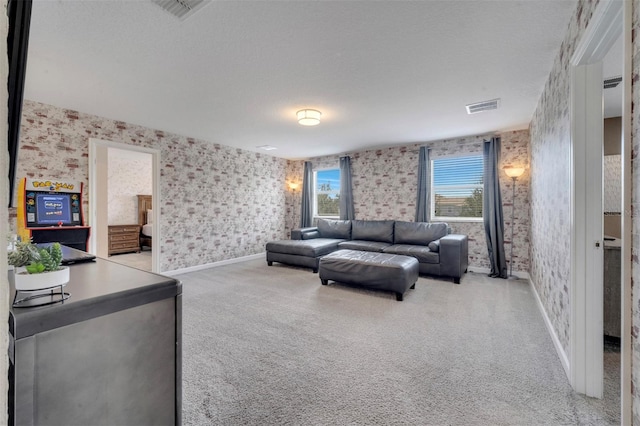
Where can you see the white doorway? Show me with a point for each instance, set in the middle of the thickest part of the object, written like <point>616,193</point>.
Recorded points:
<point>610,20</point>
<point>99,151</point>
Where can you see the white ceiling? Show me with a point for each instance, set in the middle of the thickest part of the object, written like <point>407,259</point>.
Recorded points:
<point>235,73</point>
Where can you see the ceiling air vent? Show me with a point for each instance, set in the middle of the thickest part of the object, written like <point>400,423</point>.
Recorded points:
<point>267,147</point>
<point>483,106</point>
<point>612,82</point>
<point>181,9</point>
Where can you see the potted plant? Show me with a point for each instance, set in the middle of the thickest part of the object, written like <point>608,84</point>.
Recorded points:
<point>37,268</point>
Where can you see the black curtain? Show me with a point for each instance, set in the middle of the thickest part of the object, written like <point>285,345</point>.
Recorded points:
<point>306,205</point>
<point>19,21</point>
<point>424,191</point>
<point>346,190</point>
<point>492,209</point>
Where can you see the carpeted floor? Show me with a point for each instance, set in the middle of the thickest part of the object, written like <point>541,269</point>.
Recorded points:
<point>271,346</point>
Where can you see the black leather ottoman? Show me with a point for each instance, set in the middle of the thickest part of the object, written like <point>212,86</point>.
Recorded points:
<point>379,271</point>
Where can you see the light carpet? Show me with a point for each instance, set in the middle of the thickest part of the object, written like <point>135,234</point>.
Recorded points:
<point>271,346</point>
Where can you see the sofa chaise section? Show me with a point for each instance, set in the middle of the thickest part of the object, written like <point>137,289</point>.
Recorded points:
<point>305,253</point>
<point>308,245</point>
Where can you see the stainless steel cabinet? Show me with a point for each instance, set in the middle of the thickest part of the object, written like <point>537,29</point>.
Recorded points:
<point>110,354</point>
<point>612,266</point>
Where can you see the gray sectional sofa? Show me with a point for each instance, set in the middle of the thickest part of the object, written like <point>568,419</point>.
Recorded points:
<point>437,251</point>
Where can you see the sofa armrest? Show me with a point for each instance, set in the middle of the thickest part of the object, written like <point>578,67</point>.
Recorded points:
<point>454,255</point>
<point>305,233</point>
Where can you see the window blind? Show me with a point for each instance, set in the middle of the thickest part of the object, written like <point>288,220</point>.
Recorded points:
<point>457,185</point>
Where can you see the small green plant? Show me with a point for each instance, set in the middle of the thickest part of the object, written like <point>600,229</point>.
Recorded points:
<point>36,259</point>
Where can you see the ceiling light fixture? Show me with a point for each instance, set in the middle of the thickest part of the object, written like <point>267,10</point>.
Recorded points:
<point>309,117</point>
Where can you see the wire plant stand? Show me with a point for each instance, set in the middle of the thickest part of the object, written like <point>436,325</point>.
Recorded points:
<point>40,297</point>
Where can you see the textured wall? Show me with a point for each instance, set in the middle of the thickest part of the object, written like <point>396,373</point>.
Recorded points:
<point>385,187</point>
<point>635,208</point>
<point>4,228</point>
<point>550,183</point>
<point>294,173</point>
<point>129,175</point>
<point>612,181</point>
<point>216,202</point>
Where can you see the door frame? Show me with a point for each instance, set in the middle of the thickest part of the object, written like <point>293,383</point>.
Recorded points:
<point>610,19</point>
<point>97,204</point>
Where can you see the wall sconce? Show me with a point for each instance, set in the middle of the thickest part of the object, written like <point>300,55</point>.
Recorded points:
<point>309,117</point>
<point>514,173</point>
<point>293,186</point>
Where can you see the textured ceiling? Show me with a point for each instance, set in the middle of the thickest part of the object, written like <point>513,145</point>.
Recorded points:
<point>235,73</point>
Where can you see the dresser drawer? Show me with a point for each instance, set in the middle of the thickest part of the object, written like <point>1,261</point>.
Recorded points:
<point>125,245</point>
<point>119,229</point>
<point>131,236</point>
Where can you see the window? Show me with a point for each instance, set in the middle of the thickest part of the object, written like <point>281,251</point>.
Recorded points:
<point>326,197</point>
<point>456,188</point>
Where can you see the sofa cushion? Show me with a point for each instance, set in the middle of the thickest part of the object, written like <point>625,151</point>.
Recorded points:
<point>363,245</point>
<point>310,248</point>
<point>422,253</point>
<point>330,228</point>
<point>372,230</point>
<point>434,246</point>
<point>419,232</point>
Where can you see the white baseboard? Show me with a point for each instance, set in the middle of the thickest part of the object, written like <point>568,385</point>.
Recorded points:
<point>564,359</point>
<point>215,264</point>
<point>479,270</point>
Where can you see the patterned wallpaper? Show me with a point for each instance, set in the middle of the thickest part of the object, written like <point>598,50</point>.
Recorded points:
<point>292,208</point>
<point>612,181</point>
<point>385,187</point>
<point>217,202</point>
<point>635,208</point>
<point>208,189</point>
<point>550,184</point>
<point>128,177</point>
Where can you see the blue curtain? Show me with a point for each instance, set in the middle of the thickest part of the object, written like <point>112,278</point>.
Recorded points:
<point>492,209</point>
<point>423,204</point>
<point>346,190</point>
<point>306,204</point>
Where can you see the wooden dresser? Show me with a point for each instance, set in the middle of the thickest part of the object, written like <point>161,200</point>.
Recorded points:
<point>124,239</point>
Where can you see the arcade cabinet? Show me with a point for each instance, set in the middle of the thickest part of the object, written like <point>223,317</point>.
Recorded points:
<point>50,211</point>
